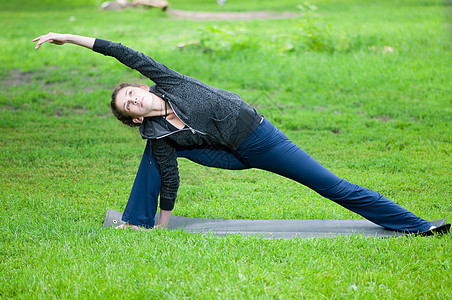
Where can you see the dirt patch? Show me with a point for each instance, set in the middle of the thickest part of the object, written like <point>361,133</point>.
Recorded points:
<point>9,107</point>
<point>232,16</point>
<point>384,119</point>
<point>16,77</point>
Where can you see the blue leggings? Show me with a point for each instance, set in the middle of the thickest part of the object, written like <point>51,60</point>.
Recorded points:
<point>269,149</point>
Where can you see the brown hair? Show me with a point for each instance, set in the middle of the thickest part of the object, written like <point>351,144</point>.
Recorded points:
<point>126,120</point>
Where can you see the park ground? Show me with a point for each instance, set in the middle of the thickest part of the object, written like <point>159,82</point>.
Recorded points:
<point>363,86</point>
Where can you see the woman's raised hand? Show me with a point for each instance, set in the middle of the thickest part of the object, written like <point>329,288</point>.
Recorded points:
<point>60,39</point>
<point>53,38</point>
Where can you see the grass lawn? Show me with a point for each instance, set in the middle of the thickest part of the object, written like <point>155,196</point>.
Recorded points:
<point>363,86</point>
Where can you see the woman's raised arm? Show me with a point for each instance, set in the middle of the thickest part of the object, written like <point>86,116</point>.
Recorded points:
<point>157,72</point>
<point>60,39</point>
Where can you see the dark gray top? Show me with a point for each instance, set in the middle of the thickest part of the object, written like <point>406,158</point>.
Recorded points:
<point>211,115</point>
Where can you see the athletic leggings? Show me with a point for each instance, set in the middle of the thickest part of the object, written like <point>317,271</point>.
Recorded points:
<point>269,149</point>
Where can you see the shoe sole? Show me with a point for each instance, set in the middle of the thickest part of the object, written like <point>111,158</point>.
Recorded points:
<point>436,231</point>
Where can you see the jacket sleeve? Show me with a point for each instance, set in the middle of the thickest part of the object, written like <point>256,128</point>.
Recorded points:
<point>167,160</point>
<point>156,71</point>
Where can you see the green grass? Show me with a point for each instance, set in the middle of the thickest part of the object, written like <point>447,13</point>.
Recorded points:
<point>380,120</point>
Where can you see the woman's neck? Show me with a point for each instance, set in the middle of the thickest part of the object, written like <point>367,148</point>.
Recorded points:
<point>162,108</point>
<point>158,107</point>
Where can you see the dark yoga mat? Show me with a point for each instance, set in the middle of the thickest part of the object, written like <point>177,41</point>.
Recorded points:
<point>275,229</point>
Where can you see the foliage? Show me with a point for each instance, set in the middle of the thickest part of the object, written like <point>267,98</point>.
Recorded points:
<point>309,32</point>
<point>214,39</point>
<point>312,34</point>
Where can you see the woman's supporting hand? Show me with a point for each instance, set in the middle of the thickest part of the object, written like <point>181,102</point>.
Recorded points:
<point>60,39</point>
<point>164,219</point>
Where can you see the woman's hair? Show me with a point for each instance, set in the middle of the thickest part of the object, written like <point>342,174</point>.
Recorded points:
<point>127,120</point>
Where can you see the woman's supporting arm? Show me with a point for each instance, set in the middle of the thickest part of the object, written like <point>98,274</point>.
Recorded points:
<point>60,39</point>
<point>167,160</point>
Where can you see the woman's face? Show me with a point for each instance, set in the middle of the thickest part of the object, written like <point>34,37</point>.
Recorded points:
<point>135,102</point>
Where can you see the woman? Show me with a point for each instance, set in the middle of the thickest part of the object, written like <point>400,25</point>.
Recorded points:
<point>182,116</point>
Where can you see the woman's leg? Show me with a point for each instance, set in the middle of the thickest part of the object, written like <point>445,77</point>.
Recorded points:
<point>212,156</point>
<point>269,149</point>
<point>142,204</point>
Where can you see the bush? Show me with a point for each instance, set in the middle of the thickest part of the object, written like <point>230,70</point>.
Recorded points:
<point>214,39</point>
<point>310,33</point>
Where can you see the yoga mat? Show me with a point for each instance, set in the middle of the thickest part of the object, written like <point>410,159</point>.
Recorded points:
<point>272,229</point>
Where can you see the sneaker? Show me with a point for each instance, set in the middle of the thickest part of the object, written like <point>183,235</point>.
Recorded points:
<point>440,230</point>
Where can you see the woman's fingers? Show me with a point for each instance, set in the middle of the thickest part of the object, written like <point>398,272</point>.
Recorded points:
<point>51,37</point>
<point>41,39</point>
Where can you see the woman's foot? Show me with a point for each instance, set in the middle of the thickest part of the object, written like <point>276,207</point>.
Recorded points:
<point>130,226</point>
<point>433,230</point>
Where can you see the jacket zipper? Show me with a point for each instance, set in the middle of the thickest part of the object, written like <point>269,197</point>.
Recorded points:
<point>173,132</point>
<point>191,129</point>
